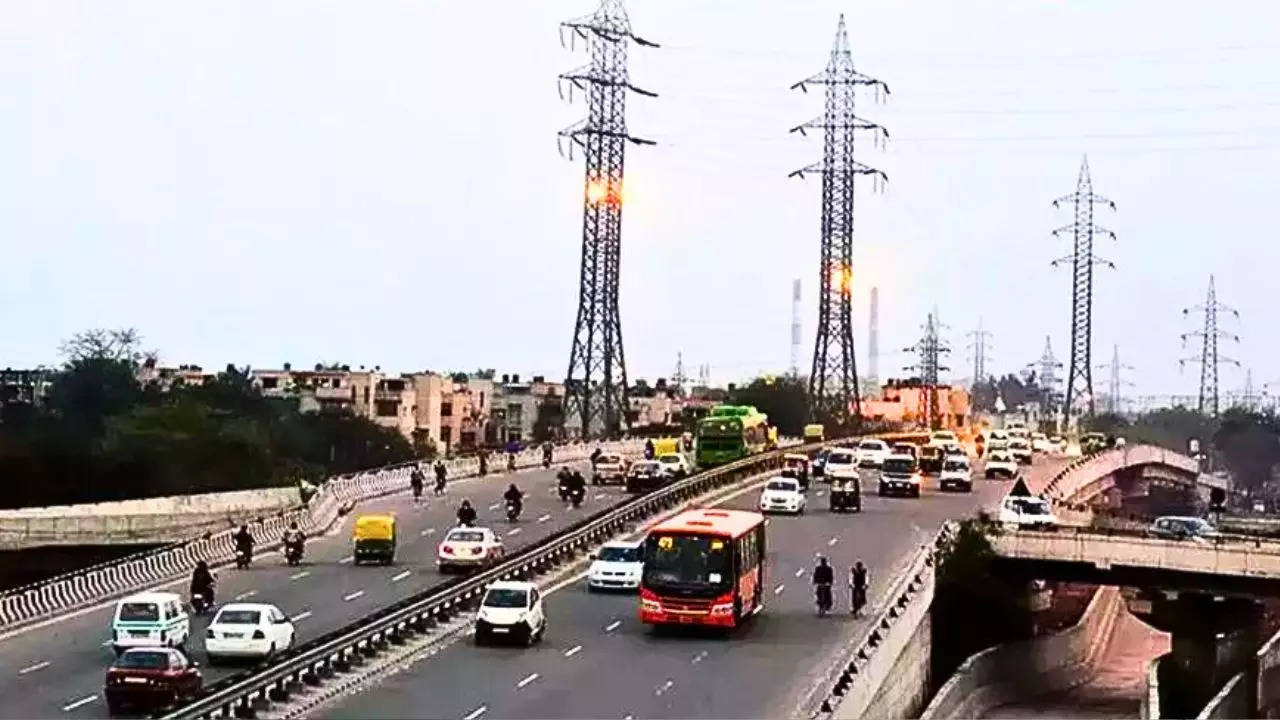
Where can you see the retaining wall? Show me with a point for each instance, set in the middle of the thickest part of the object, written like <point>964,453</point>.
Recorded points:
<point>1020,671</point>
<point>97,584</point>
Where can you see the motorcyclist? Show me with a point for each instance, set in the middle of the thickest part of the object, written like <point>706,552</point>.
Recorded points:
<point>484,463</point>
<point>577,484</point>
<point>513,496</point>
<point>441,475</point>
<point>466,514</point>
<point>416,481</point>
<point>244,542</point>
<point>823,577</point>
<point>202,582</point>
<point>648,449</point>
<point>564,481</point>
<point>857,587</point>
<point>546,453</point>
<point>293,537</point>
<point>595,456</point>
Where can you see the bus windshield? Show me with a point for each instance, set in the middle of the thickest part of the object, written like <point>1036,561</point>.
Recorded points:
<point>693,563</point>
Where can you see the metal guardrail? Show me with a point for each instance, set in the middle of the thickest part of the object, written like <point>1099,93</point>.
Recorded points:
<point>238,695</point>
<point>1226,541</point>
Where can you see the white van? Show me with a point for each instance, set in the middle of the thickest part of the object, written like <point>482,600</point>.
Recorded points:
<point>149,620</point>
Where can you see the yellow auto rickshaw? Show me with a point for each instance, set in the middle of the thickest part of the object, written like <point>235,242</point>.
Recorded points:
<point>375,539</point>
<point>796,465</point>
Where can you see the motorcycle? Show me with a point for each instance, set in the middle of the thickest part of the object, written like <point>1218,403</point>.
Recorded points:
<point>513,511</point>
<point>243,559</point>
<point>293,554</point>
<point>824,599</point>
<point>201,603</point>
<point>546,462</point>
<point>576,497</point>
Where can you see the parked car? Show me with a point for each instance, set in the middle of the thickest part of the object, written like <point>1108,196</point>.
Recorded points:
<point>872,452</point>
<point>616,566</point>
<point>1027,513</point>
<point>676,466</point>
<point>149,679</point>
<point>511,609</point>
<point>609,468</point>
<point>645,475</point>
<point>782,494</point>
<point>1000,464</point>
<point>468,548</point>
<point>956,473</point>
<point>900,475</point>
<point>254,630</point>
<point>1182,528</point>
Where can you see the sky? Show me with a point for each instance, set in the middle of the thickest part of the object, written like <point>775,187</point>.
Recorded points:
<point>378,183</point>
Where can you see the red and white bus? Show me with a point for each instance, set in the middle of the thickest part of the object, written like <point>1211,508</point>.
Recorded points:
<point>703,567</point>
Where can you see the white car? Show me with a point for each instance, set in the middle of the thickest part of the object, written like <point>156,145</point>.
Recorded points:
<point>617,565</point>
<point>1001,464</point>
<point>1027,513</point>
<point>1040,443</point>
<point>943,437</point>
<point>609,467</point>
<point>997,436</point>
<point>782,494</point>
<point>1021,450</point>
<point>247,630</point>
<point>675,465</point>
<point>465,547</point>
<point>511,609</point>
<point>900,475</point>
<point>842,464</point>
<point>872,452</point>
<point>956,473</point>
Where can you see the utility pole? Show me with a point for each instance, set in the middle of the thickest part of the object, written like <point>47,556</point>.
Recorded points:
<point>1115,403</point>
<point>873,340</point>
<point>929,349</point>
<point>596,384</point>
<point>1209,357</point>
<point>1082,259</point>
<point>979,348</point>
<point>795,328</point>
<point>833,382</point>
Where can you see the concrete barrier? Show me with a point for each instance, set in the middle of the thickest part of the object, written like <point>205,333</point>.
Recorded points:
<point>1020,671</point>
<point>1149,708</point>
<point>1232,701</point>
<point>64,593</point>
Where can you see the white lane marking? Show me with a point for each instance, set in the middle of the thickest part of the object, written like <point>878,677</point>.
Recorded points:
<point>106,643</point>
<point>495,506</point>
<point>246,594</point>
<point>833,541</point>
<point>612,626</point>
<point>78,703</point>
<point>778,590</point>
<point>799,572</point>
<point>599,496</point>
<point>346,559</point>
<point>514,531</point>
<point>300,575</point>
<point>301,616</point>
<point>527,680</point>
<point>32,668</point>
<point>820,493</point>
<point>664,687</point>
<point>699,657</point>
<point>476,713</point>
<point>352,596</point>
<point>544,518</point>
<point>427,532</point>
<point>400,576</point>
<point>573,651</point>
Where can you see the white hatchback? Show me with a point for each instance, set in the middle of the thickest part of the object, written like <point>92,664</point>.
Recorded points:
<point>842,464</point>
<point>248,630</point>
<point>468,548</point>
<point>782,495</point>
<point>618,565</point>
<point>511,609</point>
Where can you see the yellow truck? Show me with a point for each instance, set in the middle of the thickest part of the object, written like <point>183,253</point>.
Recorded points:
<point>815,433</point>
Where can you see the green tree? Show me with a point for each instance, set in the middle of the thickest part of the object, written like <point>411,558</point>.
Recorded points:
<point>1250,446</point>
<point>1109,424</point>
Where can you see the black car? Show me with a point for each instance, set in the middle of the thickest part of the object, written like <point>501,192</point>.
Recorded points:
<point>646,475</point>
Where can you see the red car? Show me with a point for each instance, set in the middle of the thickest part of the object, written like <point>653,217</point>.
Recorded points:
<point>151,678</point>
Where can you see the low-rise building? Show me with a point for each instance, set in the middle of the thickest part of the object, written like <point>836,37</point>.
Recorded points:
<point>904,401</point>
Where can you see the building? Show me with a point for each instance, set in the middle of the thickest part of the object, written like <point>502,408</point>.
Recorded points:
<point>904,401</point>
<point>167,378</point>
<point>517,406</point>
<point>24,387</point>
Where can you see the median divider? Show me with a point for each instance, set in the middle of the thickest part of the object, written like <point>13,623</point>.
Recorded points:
<point>71,591</point>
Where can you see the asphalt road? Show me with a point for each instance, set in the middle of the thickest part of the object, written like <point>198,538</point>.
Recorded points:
<point>56,670</point>
<point>599,661</point>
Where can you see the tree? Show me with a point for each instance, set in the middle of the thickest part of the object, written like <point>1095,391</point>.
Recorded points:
<point>1250,446</point>
<point>123,345</point>
<point>1109,424</point>
<point>784,399</point>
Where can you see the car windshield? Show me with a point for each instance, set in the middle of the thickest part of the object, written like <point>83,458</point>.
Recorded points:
<point>465,536</point>
<point>1018,444</point>
<point>140,612</point>
<point>670,459</point>
<point>506,598</point>
<point>872,445</point>
<point>955,465</point>
<point>840,458</point>
<point>1197,526</point>
<point>903,466</point>
<point>644,467</point>
<point>1000,457</point>
<point>621,554</point>
<point>695,562</point>
<point>143,660</point>
<point>781,485</point>
<point>1031,506</point>
<point>609,460</point>
<point>238,617</point>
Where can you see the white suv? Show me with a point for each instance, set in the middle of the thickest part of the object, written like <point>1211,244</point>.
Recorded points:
<point>872,452</point>
<point>1027,513</point>
<point>842,464</point>
<point>1001,464</point>
<point>609,467</point>
<point>956,473</point>
<point>511,609</point>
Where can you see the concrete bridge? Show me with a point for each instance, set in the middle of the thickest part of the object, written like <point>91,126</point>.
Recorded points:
<point>1142,479</point>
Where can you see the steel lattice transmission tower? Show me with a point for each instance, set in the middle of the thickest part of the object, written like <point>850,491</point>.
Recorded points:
<point>1209,357</point>
<point>596,385</point>
<point>981,339</point>
<point>1115,403</point>
<point>929,348</point>
<point>1046,370</point>
<point>833,383</point>
<point>1082,259</point>
<point>795,328</point>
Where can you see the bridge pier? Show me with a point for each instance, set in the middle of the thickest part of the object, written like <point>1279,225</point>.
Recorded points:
<point>1213,638</point>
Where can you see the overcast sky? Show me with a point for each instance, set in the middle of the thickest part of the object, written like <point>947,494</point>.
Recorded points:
<point>378,183</point>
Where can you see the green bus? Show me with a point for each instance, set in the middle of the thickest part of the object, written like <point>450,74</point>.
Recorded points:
<point>730,432</point>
